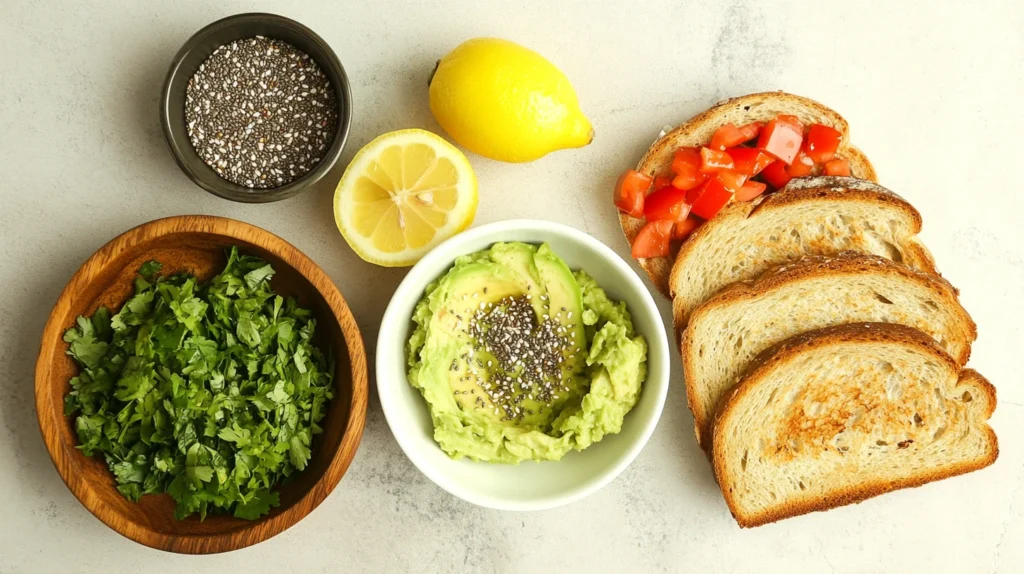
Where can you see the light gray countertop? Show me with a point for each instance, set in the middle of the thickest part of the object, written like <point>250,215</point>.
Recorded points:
<point>931,91</point>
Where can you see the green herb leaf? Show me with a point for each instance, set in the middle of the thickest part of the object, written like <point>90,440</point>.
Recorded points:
<point>150,268</point>
<point>247,331</point>
<point>203,473</point>
<point>208,392</point>
<point>258,505</point>
<point>84,346</point>
<point>298,450</point>
<point>257,276</point>
<point>237,435</point>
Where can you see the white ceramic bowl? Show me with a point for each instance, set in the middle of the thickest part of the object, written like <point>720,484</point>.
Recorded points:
<point>530,485</point>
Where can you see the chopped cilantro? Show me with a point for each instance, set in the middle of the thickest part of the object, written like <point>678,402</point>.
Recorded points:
<point>208,392</point>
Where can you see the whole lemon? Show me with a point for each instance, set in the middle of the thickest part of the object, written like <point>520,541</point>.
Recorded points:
<point>506,102</point>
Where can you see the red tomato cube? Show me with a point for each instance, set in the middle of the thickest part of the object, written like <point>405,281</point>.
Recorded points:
<point>653,240</point>
<point>729,136</point>
<point>733,180</point>
<point>630,191</point>
<point>782,139</point>
<point>752,130</point>
<point>837,167</point>
<point>710,199</point>
<point>684,228</point>
<point>688,181</point>
<point>749,191</point>
<point>668,203</point>
<point>822,142</point>
<point>749,160</point>
<point>713,160</point>
<point>686,159</point>
<point>802,166</point>
<point>776,175</point>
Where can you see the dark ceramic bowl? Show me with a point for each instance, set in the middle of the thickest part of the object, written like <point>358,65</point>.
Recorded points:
<point>197,49</point>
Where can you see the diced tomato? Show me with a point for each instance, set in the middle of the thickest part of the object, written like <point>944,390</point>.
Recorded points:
<point>791,120</point>
<point>632,205</point>
<point>630,191</point>
<point>751,130</point>
<point>661,181</point>
<point>668,203</point>
<point>729,136</point>
<point>822,142</point>
<point>710,199</point>
<point>653,240</point>
<point>713,160</point>
<point>782,138</point>
<point>686,166</point>
<point>688,181</point>
<point>684,228</point>
<point>733,180</point>
<point>837,167</point>
<point>776,175</point>
<point>692,195</point>
<point>802,166</point>
<point>725,137</point>
<point>749,191</point>
<point>685,160</point>
<point>749,160</point>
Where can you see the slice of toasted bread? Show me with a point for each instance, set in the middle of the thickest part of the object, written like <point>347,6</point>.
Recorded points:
<point>729,330</point>
<point>842,414</point>
<point>811,216</point>
<point>742,110</point>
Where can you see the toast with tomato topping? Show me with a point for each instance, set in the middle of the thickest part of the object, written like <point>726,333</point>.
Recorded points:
<point>822,215</point>
<point>728,331</point>
<point>699,130</point>
<point>839,415</point>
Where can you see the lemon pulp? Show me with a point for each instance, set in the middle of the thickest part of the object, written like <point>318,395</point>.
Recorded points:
<point>403,193</point>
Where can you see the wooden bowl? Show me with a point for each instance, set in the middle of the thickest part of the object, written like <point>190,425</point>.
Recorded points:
<point>197,244</point>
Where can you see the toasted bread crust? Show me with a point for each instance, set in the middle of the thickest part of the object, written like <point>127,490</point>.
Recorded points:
<point>845,263</point>
<point>697,131</point>
<point>969,379</point>
<point>813,189</point>
<point>860,166</point>
<point>849,333</point>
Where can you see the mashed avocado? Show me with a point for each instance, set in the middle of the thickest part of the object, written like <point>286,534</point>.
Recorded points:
<point>520,358</point>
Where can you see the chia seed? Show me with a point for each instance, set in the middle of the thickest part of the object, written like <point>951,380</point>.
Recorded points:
<point>260,112</point>
<point>530,354</point>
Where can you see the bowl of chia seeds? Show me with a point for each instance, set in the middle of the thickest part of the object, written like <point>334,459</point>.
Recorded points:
<point>256,108</point>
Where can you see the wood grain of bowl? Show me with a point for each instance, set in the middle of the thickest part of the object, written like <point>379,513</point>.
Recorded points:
<point>197,244</point>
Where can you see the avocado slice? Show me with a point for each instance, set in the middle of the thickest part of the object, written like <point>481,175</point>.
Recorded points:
<point>480,294</point>
<point>564,302</point>
<point>472,287</point>
<point>466,287</point>
<point>520,259</point>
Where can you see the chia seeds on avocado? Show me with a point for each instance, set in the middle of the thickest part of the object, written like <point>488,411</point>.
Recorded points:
<point>260,112</point>
<point>520,358</point>
<point>530,354</point>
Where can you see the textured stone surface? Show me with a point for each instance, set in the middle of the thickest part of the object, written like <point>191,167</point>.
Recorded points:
<point>932,98</point>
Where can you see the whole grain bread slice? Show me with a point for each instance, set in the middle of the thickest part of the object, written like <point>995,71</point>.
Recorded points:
<point>839,415</point>
<point>729,330</point>
<point>811,216</point>
<point>742,110</point>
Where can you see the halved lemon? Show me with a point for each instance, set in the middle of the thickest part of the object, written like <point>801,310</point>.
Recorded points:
<point>404,192</point>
